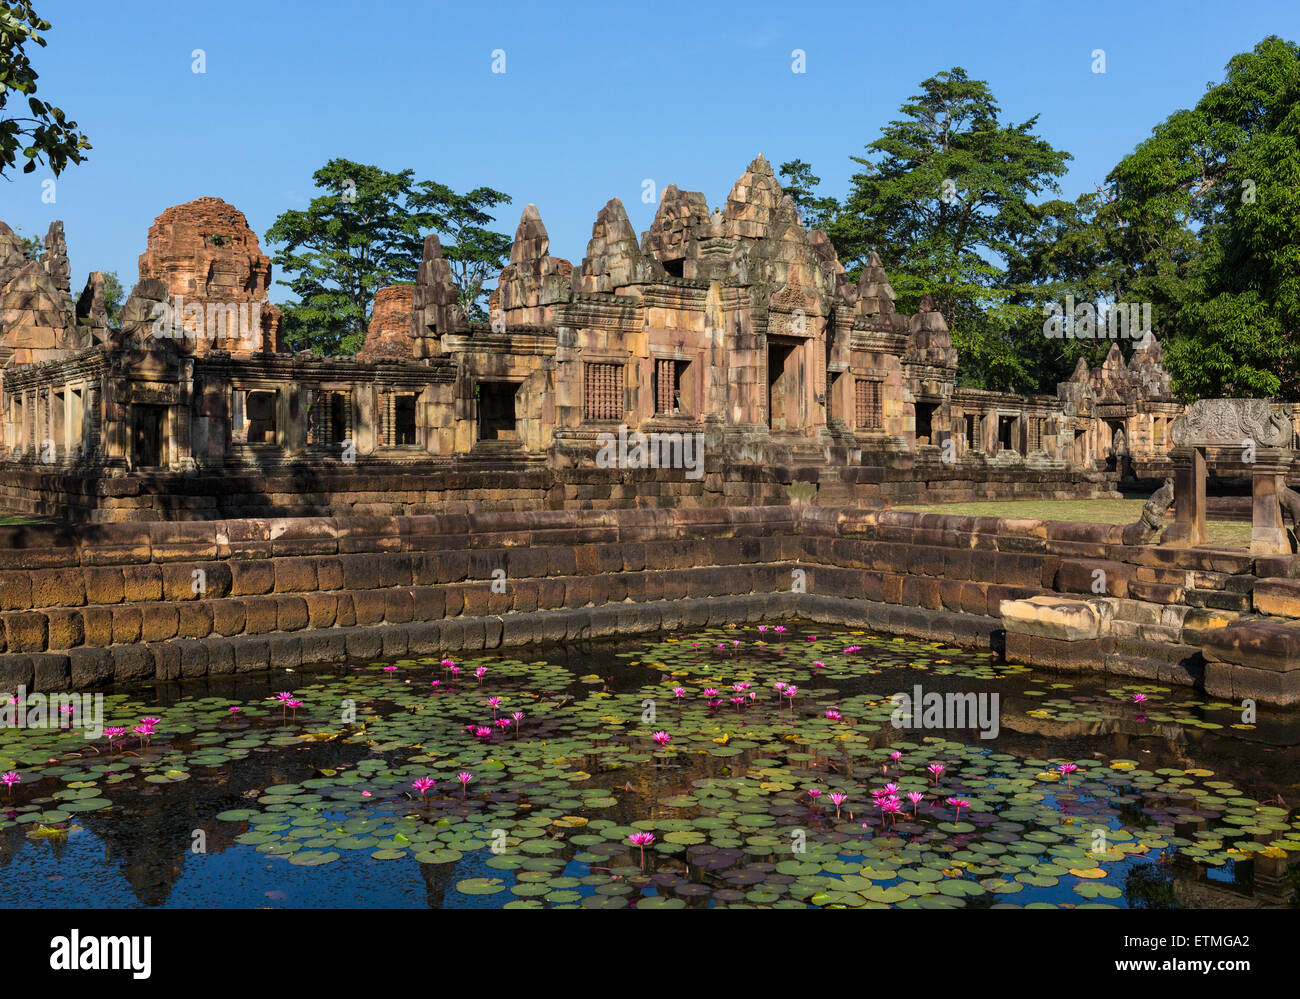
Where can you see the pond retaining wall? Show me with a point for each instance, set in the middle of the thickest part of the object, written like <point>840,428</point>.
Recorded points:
<point>92,605</point>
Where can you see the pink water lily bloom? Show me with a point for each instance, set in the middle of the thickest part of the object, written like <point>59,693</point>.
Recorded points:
<point>464,777</point>
<point>958,804</point>
<point>662,738</point>
<point>642,839</point>
<point>9,779</point>
<point>838,797</point>
<point>424,785</point>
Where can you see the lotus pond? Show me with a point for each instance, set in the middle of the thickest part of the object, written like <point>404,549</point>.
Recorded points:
<point>664,774</point>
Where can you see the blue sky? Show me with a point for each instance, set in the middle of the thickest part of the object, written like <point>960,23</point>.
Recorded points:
<point>596,98</point>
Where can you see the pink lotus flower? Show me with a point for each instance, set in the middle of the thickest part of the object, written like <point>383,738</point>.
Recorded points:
<point>662,738</point>
<point>710,691</point>
<point>483,732</point>
<point>679,692</point>
<point>818,664</point>
<point>915,797</point>
<point>780,686</point>
<point>494,703</point>
<point>1139,698</point>
<point>480,673</point>
<point>642,839</point>
<point>9,779</point>
<point>1067,769</point>
<point>762,628</point>
<point>390,669</point>
<point>424,785</point>
<point>464,777</point>
<point>454,671</point>
<point>518,716</point>
<point>958,804</point>
<point>814,793</point>
<point>366,794</point>
<point>113,734</point>
<point>833,715</point>
<point>937,770</point>
<point>234,710</point>
<point>838,797</point>
<point>144,732</point>
<point>779,629</point>
<point>434,684</point>
<point>502,723</point>
<point>448,663</point>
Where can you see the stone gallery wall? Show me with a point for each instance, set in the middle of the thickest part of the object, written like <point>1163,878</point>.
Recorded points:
<point>461,486</point>
<point>97,604</point>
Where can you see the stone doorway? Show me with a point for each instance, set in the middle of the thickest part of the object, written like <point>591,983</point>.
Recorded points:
<point>782,384</point>
<point>148,436</point>
<point>496,411</point>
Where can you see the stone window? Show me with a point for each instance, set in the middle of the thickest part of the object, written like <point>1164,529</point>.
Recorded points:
<point>261,417</point>
<point>1036,433</point>
<point>670,376</point>
<point>398,427</point>
<point>602,392</point>
<point>867,406</point>
<point>404,420</point>
<point>972,432</point>
<point>330,418</point>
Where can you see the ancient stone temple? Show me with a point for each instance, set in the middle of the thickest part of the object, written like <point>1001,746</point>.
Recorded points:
<point>732,336</point>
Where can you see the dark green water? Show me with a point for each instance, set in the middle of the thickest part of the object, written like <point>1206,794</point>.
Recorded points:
<point>1171,805</point>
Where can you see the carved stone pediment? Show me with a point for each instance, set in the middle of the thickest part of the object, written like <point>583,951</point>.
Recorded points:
<point>1229,422</point>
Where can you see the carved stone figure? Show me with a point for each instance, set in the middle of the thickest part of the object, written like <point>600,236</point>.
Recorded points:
<point>1155,514</point>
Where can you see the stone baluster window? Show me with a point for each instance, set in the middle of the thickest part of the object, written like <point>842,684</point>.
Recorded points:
<point>1035,434</point>
<point>602,392</point>
<point>868,400</point>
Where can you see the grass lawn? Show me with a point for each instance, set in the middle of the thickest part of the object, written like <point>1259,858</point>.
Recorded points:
<point>1098,511</point>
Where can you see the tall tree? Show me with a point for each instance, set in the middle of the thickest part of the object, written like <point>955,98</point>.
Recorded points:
<point>366,232</point>
<point>1203,220</point>
<point>352,240</point>
<point>801,184</point>
<point>41,132</point>
<point>474,251</point>
<point>946,196</point>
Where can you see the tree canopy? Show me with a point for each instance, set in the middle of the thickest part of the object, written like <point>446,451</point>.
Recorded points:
<point>38,132</point>
<point>366,232</point>
<point>945,196</point>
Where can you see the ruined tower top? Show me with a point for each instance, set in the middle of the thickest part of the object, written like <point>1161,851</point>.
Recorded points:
<point>205,253</point>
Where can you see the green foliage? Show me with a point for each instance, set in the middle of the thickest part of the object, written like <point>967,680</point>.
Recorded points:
<point>801,184</point>
<point>1202,220</point>
<point>351,241</point>
<point>114,296</point>
<point>364,233</point>
<point>43,133</point>
<point>945,197</point>
<point>475,252</point>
